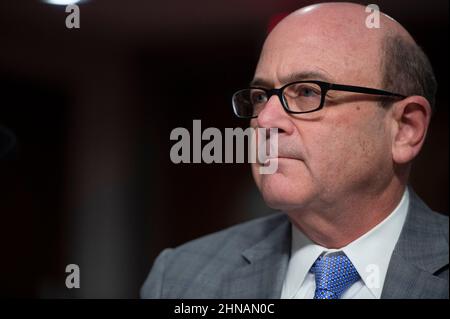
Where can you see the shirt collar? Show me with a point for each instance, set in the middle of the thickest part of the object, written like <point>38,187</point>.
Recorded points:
<point>370,253</point>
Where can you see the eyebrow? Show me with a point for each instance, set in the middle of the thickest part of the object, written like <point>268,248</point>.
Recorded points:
<point>292,77</point>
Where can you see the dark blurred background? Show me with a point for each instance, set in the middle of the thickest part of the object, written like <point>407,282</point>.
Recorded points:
<point>91,182</point>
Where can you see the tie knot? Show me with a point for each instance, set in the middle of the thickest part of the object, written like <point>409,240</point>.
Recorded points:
<point>334,274</point>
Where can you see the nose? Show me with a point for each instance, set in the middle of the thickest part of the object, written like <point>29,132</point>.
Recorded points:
<point>273,115</point>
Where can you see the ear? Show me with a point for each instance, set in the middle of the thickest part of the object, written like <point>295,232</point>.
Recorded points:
<point>411,118</point>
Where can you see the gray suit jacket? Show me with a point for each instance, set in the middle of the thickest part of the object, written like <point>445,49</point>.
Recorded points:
<point>250,261</point>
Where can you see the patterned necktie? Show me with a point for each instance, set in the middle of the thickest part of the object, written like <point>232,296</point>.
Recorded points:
<point>334,274</point>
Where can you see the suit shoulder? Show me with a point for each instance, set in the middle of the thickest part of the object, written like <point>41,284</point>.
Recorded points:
<point>200,267</point>
<point>440,219</point>
<point>435,223</point>
<point>238,236</point>
<point>441,222</point>
<point>428,220</point>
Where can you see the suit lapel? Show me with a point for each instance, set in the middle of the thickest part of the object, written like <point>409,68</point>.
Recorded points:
<point>264,266</point>
<point>419,253</point>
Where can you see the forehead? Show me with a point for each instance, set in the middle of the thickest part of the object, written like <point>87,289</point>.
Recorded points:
<point>346,54</point>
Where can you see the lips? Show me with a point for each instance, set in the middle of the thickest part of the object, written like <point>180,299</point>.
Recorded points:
<point>265,160</point>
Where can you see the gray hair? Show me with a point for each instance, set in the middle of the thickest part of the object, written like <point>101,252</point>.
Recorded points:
<point>407,70</point>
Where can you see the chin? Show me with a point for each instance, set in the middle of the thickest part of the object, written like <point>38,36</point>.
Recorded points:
<point>280,192</point>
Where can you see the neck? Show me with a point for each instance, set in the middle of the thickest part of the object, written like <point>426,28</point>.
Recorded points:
<point>339,224</point>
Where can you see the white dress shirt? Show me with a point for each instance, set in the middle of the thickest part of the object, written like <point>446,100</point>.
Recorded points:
<point>370,254</point>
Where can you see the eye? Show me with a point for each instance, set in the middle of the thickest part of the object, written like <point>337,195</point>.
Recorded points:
<point>258,97</point>
<point>307,91</point>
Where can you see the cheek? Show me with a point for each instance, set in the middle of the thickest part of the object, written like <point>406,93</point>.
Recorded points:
<point>327,153</point>
<point>357,156</point>
<point>350,152</point>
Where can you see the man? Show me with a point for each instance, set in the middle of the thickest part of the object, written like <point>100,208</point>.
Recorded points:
<point>350,227</point>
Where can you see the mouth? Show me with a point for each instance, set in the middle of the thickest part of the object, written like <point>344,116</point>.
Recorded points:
<point>267,161</point>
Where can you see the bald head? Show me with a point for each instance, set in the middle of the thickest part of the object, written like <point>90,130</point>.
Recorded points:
<point>346,17</point>
<point>337,35</point>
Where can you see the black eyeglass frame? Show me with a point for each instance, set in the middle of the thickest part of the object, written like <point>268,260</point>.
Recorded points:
<point>324,88</point>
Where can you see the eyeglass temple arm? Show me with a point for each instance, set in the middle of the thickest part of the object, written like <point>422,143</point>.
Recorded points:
<point>359,89</point>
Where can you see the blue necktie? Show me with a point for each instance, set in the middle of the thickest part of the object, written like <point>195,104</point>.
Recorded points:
<point>334,274</point>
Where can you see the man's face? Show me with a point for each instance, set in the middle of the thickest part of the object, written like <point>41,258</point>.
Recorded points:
<point>341,150</point>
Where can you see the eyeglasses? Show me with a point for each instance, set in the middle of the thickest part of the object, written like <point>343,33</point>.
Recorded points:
<point>296,97</point>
